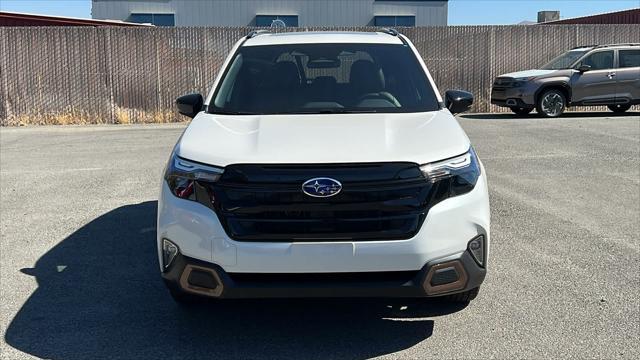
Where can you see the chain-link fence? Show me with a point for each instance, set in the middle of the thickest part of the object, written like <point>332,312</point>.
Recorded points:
<point>131,75</point>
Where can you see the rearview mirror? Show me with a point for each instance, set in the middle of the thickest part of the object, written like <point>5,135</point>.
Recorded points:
<point>323,63</point>
<point>458,101</point>
<point>190,105</point>
<point>584,68</point>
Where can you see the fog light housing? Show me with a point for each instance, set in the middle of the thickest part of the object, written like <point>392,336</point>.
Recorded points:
<point>476,248</point>
<point>201,280</point>
<point>445,277</point>
<point>169,252</point>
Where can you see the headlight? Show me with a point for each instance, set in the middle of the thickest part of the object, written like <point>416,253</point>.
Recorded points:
<point>519,82</point>
<point>457,175</point>
<point>184,178</point>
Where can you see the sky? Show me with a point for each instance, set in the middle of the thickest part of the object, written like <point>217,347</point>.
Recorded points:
<point>461,12</point>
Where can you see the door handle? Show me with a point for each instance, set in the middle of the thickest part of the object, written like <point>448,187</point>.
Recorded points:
<point>611,75</point>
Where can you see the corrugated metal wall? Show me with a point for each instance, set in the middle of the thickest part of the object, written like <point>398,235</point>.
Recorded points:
<point>243,12</point>
<point>631,16</point>
<point>124,75</point>
<point>16,19</point>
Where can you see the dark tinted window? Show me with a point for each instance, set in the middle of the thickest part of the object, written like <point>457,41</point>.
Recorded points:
<point>565,60</point>
<point>395,21</point>
<point>315,78</point>
<point>629,58</point>
<point>600,60</point>
<point>268,20</point>
<point>155,19</point>
<point>163,20</point>
<point>141,18</point>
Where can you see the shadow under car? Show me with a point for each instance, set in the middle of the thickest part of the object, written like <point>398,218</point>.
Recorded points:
<point>100,295</point>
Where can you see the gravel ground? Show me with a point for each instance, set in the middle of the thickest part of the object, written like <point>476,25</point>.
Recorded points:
<point>79,276</point>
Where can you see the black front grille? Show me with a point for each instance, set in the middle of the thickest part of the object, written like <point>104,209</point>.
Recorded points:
<point>378,201</point>
<point>320,278</point>
<point>503,83</point>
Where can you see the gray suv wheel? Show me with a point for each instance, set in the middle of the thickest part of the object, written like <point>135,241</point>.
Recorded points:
<point>551,103</point>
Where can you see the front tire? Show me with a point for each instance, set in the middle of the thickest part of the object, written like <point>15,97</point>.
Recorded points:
<point>551,103</point>
<point>619,108</point>
<point>520,111</point>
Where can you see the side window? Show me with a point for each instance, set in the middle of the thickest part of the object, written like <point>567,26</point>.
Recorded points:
<point>155,19</point>
<point>275,20</point>
<point>629,58</point>
<point>599,61</point>
<point>394,20</point>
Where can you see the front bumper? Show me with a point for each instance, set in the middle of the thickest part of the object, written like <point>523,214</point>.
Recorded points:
<point>448,227</point>
<point>211,280</point>
<point>513,97</point>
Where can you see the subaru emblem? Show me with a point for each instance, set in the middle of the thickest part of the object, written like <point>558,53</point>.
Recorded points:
<point>321,187</point>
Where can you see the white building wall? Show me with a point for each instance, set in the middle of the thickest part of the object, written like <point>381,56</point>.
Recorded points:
<point>243,12</point>
<point>427,13</point>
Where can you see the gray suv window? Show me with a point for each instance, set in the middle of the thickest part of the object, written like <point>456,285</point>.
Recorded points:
<point>565,60</point>
<point>600,60</point>
<point>629,58</point>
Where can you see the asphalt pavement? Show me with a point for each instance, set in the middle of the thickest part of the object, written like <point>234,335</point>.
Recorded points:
<point>79,276</point>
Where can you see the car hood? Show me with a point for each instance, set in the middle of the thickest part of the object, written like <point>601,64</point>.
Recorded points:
<point>528,73</point>
<point>421,138</point>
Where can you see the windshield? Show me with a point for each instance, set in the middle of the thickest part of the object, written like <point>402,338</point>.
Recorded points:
<point>324,78</point>
<point>565,60</point>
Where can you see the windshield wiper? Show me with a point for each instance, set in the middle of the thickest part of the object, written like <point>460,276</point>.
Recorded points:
<point>229,112</point>
<point>319,111</point>
<point>330,111</point>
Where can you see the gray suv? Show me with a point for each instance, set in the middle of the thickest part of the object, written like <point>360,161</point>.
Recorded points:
<point>584,76</point>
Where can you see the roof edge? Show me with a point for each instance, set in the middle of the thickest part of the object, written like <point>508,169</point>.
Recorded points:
<point>83,21</point>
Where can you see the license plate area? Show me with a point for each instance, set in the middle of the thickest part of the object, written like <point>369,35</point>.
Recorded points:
<point>324,250</point>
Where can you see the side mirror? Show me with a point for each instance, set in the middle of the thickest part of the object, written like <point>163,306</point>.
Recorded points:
<point>584,68</point>
<point>190,105</point>
<point>458,101</point>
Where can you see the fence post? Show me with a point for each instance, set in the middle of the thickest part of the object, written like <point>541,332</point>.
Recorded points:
<point>109,69</point>
<point>4,93</point>
<point>492,64</point>
<point>156,40</point>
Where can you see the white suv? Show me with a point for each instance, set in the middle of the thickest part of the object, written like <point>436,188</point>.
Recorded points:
<point>324,164</point>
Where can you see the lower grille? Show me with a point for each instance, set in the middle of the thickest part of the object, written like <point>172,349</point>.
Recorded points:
<point>378,201</point>
<point>502,84</point>
<point>311,278</point>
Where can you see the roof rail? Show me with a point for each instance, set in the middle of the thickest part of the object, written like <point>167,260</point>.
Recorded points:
<point>255,33</point>
<point>392,32</point>
<point>584,46</point>
<point>605,45</point>
<point>622,44</point>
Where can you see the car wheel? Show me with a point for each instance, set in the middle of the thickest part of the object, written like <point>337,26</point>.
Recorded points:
<point>551,103</point>
<point>463,297</point>
<point>521,111</point>
<point>620,108</point>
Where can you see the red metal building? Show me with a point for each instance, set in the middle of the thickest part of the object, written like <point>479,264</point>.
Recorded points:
<point>21,19</point>
<point>631,16</point>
